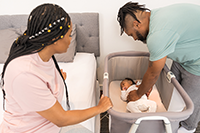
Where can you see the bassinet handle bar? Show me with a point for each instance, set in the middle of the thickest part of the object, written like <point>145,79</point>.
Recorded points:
<point>165,119</point>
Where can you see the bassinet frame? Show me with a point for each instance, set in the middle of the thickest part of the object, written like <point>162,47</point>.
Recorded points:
<point>121,122</point>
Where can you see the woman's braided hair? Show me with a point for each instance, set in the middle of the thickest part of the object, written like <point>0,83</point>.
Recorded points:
<point>129,8</point>
<point>44,27</point>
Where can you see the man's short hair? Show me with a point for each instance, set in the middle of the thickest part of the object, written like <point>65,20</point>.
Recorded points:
<point>129,8</point>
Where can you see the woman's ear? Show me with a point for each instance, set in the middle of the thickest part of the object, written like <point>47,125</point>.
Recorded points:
<point>55,42</point>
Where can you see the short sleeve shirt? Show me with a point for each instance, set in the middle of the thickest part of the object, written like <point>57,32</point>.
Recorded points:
<point>174,31</point>
<point>31,85</point>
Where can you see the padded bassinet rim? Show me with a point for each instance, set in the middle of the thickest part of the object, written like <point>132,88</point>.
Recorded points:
<point>132,117</point>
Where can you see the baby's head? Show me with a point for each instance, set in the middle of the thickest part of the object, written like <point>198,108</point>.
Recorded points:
<point>126,83</point>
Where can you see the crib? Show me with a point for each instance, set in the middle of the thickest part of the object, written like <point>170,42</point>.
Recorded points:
<point>174,105</point>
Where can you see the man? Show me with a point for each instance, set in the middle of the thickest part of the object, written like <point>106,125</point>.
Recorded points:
<point>173,32</point>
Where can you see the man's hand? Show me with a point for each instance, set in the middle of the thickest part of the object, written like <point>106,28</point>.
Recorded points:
<point>148,92</point>
<point>133,96</point>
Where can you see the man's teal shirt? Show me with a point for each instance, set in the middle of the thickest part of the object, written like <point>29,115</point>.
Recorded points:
<point>174,31</point>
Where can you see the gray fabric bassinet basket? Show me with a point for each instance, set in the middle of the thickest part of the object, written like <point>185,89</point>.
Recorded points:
<point>134,64</point>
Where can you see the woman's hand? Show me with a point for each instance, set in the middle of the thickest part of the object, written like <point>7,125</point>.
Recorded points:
<point>104,104</point>
<point>63,74</point>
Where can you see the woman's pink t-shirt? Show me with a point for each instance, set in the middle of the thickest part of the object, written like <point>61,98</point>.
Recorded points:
<point>31,85</point>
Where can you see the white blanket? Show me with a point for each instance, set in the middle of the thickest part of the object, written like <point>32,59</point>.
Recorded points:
<point>141,105</point>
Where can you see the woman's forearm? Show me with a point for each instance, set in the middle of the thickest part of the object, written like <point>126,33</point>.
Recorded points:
<point>57,115</point>
<point>77,116</point>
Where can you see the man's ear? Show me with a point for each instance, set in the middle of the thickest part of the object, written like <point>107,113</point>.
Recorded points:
<point>136,24</point>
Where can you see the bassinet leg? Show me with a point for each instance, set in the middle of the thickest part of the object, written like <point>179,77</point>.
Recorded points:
<point>168,128</point>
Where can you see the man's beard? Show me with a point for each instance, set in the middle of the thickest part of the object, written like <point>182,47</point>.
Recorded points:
<point>140,37</point>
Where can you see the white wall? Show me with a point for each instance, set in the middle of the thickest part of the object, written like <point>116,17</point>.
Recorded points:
<point>110,39</point>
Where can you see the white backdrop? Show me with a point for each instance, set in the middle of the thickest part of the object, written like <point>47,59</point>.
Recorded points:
<point>110,39</point>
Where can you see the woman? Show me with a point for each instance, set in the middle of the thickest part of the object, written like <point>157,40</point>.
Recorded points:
<point>33,84</point>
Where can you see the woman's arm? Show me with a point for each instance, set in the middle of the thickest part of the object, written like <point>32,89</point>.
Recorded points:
<point>57,115</point>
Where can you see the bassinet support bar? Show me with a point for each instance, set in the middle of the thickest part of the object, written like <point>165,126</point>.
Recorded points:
<point>130,117</point>
<point>168,128</point>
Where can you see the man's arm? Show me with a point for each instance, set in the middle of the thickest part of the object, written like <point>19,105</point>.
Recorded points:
<point>149,79</point>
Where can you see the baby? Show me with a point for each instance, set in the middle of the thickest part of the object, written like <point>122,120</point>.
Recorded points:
<point>141,105</point>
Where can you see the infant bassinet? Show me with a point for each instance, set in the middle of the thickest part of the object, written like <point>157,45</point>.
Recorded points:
<point>134,65</point>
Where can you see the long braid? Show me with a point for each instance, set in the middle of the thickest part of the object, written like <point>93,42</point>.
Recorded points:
<point>129,8</point>
<point>38,19</point>
<point>58,68</point>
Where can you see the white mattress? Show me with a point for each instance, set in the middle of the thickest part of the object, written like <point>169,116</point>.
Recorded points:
<point>1,98</point>
<point>81,79</point>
